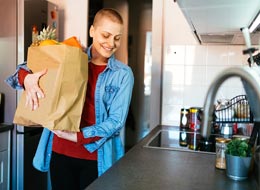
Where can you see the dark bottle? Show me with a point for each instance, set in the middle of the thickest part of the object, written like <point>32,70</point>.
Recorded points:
<point>184,120</point>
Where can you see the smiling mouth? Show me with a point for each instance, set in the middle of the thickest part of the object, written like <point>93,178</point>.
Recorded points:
<point>107,49</point>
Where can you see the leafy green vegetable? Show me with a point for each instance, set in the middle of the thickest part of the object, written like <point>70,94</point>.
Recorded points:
<point>237,147</point>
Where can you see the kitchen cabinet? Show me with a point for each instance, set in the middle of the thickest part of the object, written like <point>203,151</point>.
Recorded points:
<point>4,181</point>
<point>5,151</point>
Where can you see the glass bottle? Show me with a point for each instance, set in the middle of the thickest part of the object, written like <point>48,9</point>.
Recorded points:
<point>34,35</point>
<point>221,144</point>
<point>184,120</point>
<point>184,125</point>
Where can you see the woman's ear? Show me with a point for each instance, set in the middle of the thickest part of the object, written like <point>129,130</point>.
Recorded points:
<point>91,31</point>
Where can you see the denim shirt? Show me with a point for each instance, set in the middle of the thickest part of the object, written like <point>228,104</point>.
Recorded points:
<point>112,99</point>
<point>12,80</point>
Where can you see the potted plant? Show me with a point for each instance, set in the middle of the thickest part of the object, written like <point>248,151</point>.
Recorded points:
<point>238,159</point>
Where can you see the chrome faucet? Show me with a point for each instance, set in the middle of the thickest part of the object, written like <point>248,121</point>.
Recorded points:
<point>250,77</point>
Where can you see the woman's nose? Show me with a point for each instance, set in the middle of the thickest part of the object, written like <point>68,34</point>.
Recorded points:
<point>111,42</point>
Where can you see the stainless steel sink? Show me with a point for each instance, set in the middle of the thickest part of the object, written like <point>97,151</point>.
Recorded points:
<point>170,140</point>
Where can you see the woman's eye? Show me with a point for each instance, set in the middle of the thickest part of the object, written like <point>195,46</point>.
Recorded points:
<point>105,35</point>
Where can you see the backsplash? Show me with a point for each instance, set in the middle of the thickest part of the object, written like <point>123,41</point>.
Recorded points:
<point>188,70</point>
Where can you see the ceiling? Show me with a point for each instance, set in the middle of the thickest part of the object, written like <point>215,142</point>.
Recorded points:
<point>220,21</point>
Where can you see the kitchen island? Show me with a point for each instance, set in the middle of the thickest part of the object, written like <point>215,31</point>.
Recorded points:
<point>144,168</point>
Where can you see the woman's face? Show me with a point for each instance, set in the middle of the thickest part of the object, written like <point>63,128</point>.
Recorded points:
<point>106,36</point>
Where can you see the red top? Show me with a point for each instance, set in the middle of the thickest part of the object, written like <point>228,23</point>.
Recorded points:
<point>21,75</point>
<point>69,148</point>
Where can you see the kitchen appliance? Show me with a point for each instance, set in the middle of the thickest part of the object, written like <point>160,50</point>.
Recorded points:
<point>40,14</point>
<point>17,19</point>
<point>219,22</point>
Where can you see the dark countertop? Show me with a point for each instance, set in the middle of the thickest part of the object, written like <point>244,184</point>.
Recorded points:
<point>5,127</point>
<point>145,168</point>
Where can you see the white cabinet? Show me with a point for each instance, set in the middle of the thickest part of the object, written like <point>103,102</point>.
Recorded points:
<point>5,160</point>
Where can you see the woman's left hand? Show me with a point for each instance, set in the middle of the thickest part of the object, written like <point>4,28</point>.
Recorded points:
<point>71,136</point>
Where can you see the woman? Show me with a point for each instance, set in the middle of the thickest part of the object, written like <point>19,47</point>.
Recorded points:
<point>77,159</point>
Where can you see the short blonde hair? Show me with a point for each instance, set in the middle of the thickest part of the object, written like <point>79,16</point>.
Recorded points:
<point>110,13</point>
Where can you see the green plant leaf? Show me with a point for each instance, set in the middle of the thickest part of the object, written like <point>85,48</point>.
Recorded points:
<point>237,147</point>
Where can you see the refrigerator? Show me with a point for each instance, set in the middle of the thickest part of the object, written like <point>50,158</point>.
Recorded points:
<point>17,19</point>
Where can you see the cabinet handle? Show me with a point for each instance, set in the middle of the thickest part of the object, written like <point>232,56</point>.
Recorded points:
<point>2,172</point>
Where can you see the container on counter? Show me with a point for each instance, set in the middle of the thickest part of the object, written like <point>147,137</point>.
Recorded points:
<point>221,144</point>
<point>184,118</point>
<point>235,128</point>
<point>195,118</point>
<point>226,130</point>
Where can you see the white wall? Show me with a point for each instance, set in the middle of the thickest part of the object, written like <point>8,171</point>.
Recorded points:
<point>189,68</point>
<point>73,19</point>
<point>157,49</point>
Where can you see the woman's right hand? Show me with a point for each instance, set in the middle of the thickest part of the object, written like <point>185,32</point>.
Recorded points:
<point>33,90</point>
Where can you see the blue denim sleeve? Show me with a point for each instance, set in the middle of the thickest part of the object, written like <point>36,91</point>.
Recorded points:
<point>12,80</point>
<point>115,121</point>
<point>42,157</point>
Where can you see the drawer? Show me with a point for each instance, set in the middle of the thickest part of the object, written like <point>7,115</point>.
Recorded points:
<point>4,140</point>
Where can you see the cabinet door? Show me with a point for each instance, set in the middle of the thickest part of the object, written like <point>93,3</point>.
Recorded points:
<point>4,141</point>
<point>3,170</point>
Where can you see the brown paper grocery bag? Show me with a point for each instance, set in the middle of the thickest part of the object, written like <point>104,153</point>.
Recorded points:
<point>64,86</point>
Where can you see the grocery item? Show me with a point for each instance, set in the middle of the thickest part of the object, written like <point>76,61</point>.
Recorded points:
<point>221,144</point>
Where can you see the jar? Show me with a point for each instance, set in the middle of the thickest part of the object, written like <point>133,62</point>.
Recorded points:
<point>221,144</point>
<point>195,118</point>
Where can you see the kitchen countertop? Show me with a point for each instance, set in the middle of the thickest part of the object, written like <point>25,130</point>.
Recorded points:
<point>145,168</point>
<point>5,127</point>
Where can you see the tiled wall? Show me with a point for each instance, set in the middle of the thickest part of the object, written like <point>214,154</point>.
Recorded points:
<point>188,70</point>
